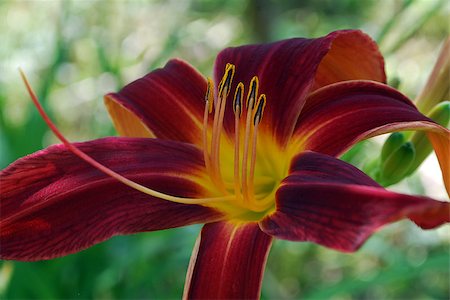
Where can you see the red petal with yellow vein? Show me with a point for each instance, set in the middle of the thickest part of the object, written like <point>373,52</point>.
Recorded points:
<point>331,203</point>
<point>289,69</point>
<point>227,262</point>
<point>53,203</point>
<point>168,101</point>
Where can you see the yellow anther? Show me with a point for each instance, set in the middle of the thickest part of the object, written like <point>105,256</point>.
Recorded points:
<point>227,79</point>
<point>260,109</point>
<point>252,92</point>
<point>209,96</point>
<point>237,102</point>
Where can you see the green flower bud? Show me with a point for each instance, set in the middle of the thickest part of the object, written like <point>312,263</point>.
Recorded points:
<point>397,165</point>
<point>393,142</point>
<point>441,113</point>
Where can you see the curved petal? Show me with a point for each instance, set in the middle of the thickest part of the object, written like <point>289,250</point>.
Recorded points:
<point>289,69</point>
<point>340,115</point>
<point>331,203</point>
<point>167,103</point>
<point>227,262</point>
<point>353,56</point>
<point>53,203</point>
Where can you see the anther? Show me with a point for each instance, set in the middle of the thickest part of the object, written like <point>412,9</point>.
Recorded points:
<point>227,79</point>
<point>237,102</point>
<point>253,92</point>
<point>260,109</point>
<point>209,96</point>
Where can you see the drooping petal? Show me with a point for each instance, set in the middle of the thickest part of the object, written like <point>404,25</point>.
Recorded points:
<point>289,69</point>
<point>167,103</point>
<point>337,116</point>
<point>227,262</point>
<point>331,203</point>
<point>53,203</point>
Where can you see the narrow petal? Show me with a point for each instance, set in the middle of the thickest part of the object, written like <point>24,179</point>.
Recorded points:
<point>53,203</point>
<point>227,262</point>
<point>331,203</point>
<point>167,103</point>
<point>289,69</point>
<point>340,115</point>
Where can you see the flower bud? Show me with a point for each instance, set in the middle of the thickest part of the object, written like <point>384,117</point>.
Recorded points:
<point>393,142</point>
<point>397,165</point>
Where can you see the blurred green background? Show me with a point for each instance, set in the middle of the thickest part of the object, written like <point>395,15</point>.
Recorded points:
<point>76,51</point>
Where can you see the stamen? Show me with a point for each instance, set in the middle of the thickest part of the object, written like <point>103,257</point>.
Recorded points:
<point>224,90</point>
<point>252,94</point>
<point>257,119</point>
<point>75,150</point>
<point>209,99</point>
<point>209,96</point>
<point>237,101</point>
<point>237,107</point>
<point>227,78</point>
<point>260,109</point>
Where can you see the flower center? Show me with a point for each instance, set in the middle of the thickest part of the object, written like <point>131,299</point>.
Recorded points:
<point>244,159</point>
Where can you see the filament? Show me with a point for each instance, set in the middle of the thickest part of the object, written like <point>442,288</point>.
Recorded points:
<point>257,119</point>
<point>252,94</point>
<point>209,99</point>
<point>224,90</point>
<point>237,104</point>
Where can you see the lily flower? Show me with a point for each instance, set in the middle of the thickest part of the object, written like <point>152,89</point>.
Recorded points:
<point>252,154</point>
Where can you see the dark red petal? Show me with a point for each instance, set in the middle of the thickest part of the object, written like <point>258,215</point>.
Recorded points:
<point>169,102</point>
<point>287,71</point>
<point>53,203</point>
<point>339,115</point>
<point>331,203</point>
<point>227,262</point>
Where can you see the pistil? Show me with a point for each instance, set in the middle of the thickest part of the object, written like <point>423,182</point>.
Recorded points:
<point>211,161</point>
<point>134,185</point>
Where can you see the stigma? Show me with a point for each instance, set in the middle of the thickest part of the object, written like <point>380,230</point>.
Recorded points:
<point>250,106</point>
